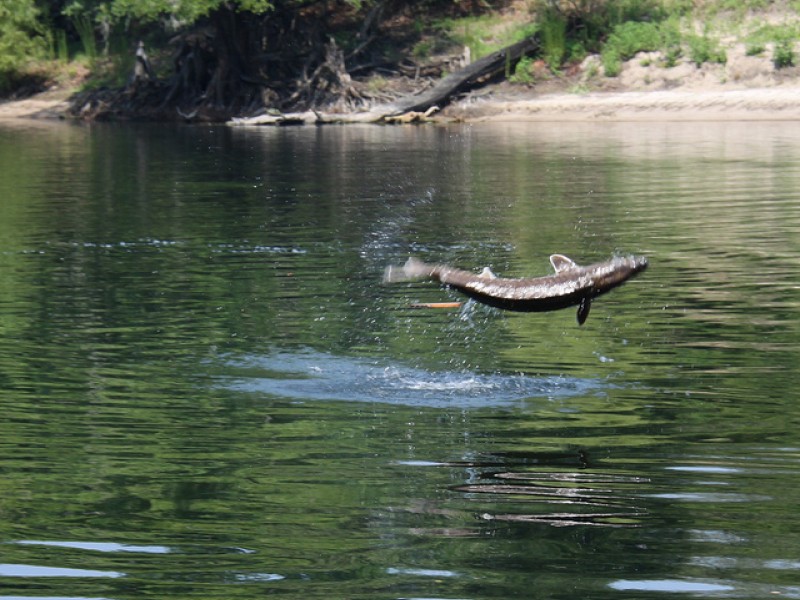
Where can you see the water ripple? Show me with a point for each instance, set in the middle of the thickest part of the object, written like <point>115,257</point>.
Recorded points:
<point>22,570</point>
<point>98,546</point>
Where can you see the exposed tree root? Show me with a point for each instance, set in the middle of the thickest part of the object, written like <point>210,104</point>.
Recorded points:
<point>243,65</point>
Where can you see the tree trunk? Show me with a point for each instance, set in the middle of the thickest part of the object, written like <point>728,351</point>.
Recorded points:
<point>485,67</point>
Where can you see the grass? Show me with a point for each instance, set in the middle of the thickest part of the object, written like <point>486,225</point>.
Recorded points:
<point>85,27</point>
<point>483,34</point>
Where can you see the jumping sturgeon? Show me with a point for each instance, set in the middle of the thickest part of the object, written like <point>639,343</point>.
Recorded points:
<point>571,285</point>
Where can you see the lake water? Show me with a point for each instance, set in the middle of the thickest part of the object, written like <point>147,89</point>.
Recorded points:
<point>207,392</point>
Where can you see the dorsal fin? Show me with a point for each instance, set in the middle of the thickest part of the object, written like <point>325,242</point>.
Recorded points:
<point>561,262</point>
<point>487,273</point>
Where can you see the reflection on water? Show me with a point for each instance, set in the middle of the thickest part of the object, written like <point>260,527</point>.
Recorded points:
<point>566,499</point>
<point>670,585</point>
<point>33,571</point>
<point>99,546</point>
<point>208,394</point>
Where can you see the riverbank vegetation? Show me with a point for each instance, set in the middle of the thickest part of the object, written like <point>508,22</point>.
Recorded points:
<point>211,59</point>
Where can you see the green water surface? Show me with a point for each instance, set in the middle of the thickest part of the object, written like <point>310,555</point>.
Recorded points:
<point>206,392</point>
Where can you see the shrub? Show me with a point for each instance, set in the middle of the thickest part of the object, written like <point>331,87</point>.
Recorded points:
<point>522,72</point>
<point>612,62</point>
<point>625,41</point>
<point>783,54</point>
<point>782,36</point>
<point>671,56</point>
<point>703,49</point>
<point>22,38</point>
<point>589,23</point>
<point>632,37</point>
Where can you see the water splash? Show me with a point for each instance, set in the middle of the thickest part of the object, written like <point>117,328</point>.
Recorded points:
<point>312,375</point>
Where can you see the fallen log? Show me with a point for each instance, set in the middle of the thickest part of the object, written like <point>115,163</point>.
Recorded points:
<point>430,100</point>
<point>304,118</point>
<point>483,68</point>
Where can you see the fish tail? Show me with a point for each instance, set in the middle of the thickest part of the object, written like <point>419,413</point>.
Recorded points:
<point>413,269</point>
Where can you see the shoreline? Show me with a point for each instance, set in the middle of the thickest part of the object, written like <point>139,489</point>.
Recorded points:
<point>779,103</point>
<point>51,104</point>
<point>754,104</point>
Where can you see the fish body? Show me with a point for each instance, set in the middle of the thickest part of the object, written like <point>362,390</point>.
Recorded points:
<point>570,285</point>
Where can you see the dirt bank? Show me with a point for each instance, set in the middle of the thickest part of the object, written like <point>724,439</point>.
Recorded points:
<point>745,88</point>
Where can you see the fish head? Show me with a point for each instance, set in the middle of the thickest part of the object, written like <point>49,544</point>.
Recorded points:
<point>638,263</point>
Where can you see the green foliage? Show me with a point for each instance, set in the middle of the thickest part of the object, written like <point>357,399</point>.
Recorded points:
<point>774,33</point>
<point>554,38</point>
<point>523,73</point>
<point>703,49</point>
<point>423,48</point>
<point>61,49</point>
<point>484,34</point>
<point>627,39</point>
<point>590,22</point>
<point>568,29</point>
<point>737,7</point>
<point>782,37</point>
<point>754,49</point>
<point>783,54</point>
<point>112,72</point>
<point>612,63</point>
<point>85,27</point>
<point>22,37</point>
<point>576,51</point>
<point>615,28</point>
<point>671,56</point>
<point>183,10</point>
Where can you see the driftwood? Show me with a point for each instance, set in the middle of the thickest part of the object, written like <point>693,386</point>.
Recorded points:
<point>412,116</point>
<point>304,118</point>
<point>418,107</point>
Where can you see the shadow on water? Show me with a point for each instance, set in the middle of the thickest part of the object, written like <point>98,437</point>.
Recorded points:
<point>312,375</point>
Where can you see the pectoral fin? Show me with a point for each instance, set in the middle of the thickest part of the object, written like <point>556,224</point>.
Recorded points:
<point>487,273</point>
<point>561,262</point>
<point>583,309</point>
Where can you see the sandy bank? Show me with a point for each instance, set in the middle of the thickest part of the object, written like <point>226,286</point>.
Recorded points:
<point>772,104</point>
<point>52,104</point>
<point>762,104</point>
